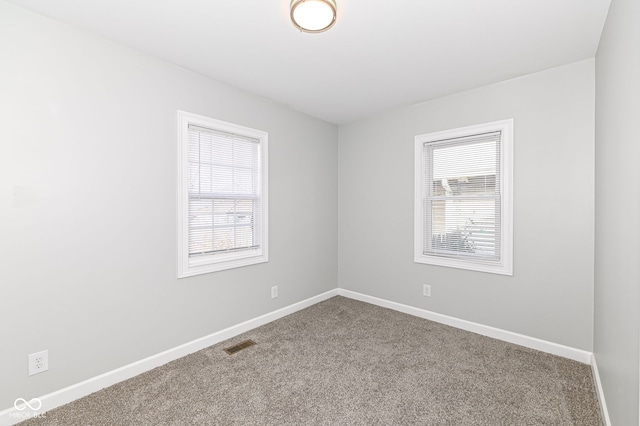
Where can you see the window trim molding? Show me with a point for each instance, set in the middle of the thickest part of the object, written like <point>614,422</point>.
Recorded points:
<point>185,268</point>
<point>505,265</point>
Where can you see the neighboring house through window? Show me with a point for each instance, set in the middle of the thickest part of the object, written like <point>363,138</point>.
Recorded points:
<point>463,198</point>
<point>222,195</point>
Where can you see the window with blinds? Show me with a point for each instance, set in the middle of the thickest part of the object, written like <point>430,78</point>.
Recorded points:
<point>463,215</point>
<point>223,195</point>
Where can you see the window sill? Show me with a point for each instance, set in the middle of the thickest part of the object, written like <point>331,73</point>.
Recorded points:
<point>208,264</point>
<point>468,264</point>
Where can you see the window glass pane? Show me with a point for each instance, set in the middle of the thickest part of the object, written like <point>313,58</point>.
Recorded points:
<point>200,220</point>
<point>226,219</point>
<point>193,153</point>
<point>223,239</point>
<point>223,206</point>
<point>464,169</point>
<point>205,179</point>
<point>244,236</point>
<point>194,177</point>
<point>245,153</point>
<point>244,206</point>
<point>205,152</point>
<point>222,177</point>
<point>212,222</point>
<point>465,185</point>
<point>464,160</point>
<point>221,151</point>
<point>200,240</point>
<point>464,226</point>
<point>243,181</point>
<point>244,219</point>
<point>199,207</point>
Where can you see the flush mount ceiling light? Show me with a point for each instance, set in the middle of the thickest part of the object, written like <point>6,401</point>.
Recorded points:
<point>313,16</point>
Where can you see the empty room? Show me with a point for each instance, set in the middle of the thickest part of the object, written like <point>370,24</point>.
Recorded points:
<point>331,212</point>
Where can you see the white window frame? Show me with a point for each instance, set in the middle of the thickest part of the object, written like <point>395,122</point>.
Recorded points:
<point>502,266</point>
<point>220,261</point>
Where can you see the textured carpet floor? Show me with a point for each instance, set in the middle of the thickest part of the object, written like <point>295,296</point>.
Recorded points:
<point>344,362</point>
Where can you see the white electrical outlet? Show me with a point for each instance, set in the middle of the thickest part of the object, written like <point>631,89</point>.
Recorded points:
<point>38,362</point>
<point>426,290</point>
<point>274,291</point>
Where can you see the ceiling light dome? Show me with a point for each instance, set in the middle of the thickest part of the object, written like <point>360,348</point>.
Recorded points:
<point>313,16</point>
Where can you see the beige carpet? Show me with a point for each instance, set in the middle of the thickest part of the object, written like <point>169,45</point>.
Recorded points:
<point>344,362</point>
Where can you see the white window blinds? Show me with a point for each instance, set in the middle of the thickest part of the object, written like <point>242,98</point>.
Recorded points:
<point>224,174</point>
<point>462,200</point>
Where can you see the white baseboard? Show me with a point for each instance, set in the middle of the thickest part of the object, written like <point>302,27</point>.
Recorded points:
<point>600,391</point>
<point>63,396</point>
<point>66,395</point>
<point>496,333</point>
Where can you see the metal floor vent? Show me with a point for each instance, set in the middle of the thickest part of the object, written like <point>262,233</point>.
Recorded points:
<point>240,346</point>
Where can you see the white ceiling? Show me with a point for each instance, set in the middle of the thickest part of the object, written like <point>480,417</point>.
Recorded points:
<point>380,54</point>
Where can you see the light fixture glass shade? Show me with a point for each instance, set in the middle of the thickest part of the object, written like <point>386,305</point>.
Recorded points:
<point>313,16</point>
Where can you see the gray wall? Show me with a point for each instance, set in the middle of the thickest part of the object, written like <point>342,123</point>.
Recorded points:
<point>550,295</point>
<point>617,253</point>
<point>88,210</point>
